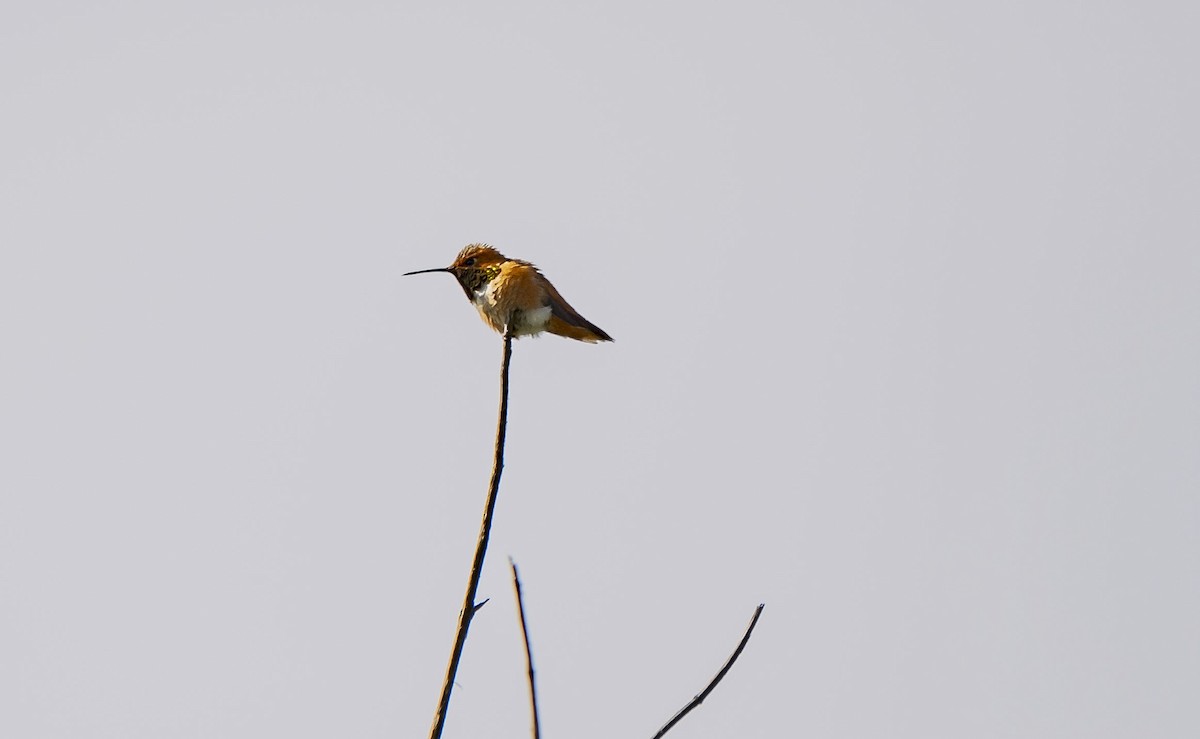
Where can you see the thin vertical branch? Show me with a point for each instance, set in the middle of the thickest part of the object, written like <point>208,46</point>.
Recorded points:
<point>704,694</point>
<point>537,730</point>
<point>469,606</point>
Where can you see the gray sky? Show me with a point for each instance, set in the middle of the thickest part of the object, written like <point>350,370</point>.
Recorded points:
<point>907,345</point>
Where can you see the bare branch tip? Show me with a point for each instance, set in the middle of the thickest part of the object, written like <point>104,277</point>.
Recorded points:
<point>699,698</point>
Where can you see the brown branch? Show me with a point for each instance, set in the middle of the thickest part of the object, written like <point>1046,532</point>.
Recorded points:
<point>485,530</point>
<point>537,731</point>
<point>704,693</point>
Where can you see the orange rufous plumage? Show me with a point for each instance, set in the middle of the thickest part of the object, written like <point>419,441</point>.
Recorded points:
<point>513,296</point>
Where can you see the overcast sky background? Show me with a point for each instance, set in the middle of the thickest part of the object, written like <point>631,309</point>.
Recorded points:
<point>907,320</point>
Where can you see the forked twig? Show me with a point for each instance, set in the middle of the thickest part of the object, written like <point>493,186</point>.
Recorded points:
<point>704,693</point>
<point>469,606</point>
<point>537,730</point>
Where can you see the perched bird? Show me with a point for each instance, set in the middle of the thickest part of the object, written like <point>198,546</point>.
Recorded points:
<point>512,296</point>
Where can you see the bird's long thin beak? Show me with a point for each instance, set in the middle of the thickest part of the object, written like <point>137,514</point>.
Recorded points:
<point>423,271</point>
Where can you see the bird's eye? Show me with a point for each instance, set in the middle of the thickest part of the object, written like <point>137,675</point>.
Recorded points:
<point>469,261</point>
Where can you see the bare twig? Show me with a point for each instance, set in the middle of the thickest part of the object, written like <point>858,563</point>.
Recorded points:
<point>537,731</point>
<point>485,530</point>
<point>704,693</point>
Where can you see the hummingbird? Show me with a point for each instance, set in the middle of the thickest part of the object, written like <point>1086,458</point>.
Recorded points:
<point>514,297</point>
